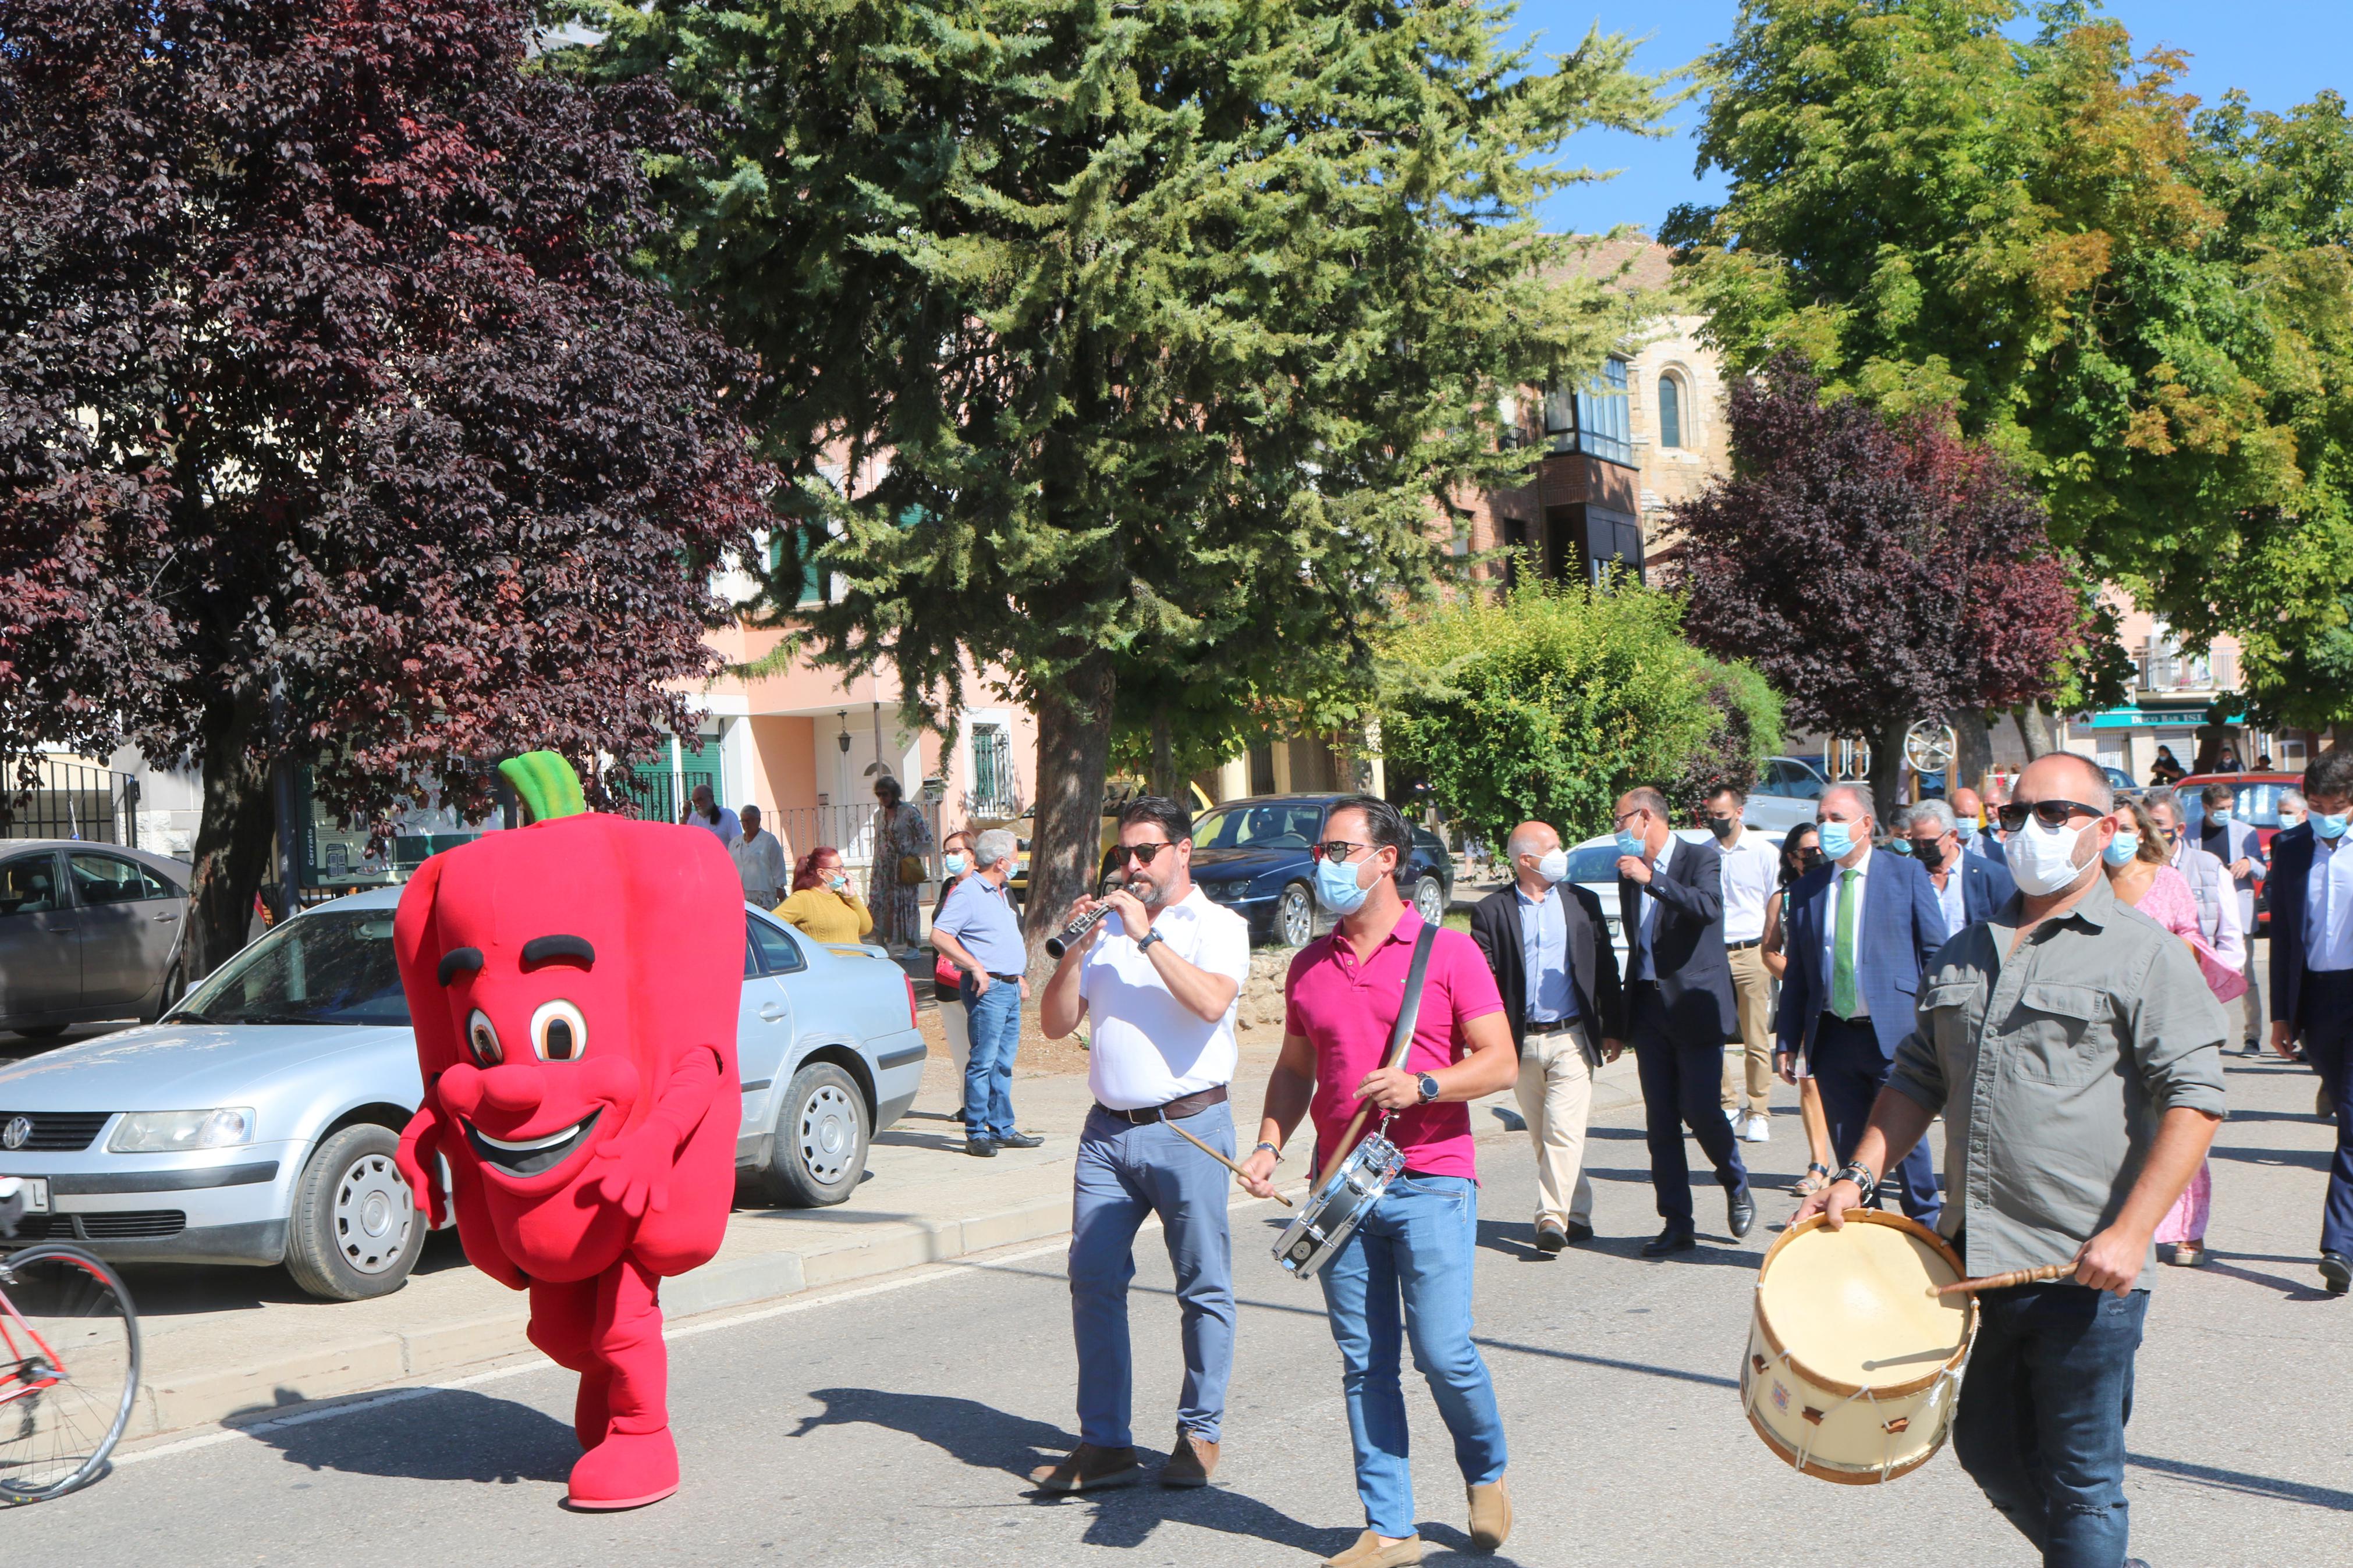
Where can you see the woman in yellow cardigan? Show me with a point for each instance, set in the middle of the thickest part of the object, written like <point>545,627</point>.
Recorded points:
<point>823,903</point>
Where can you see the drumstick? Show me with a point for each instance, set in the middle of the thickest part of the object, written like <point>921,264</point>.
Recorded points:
<point>2004,1281</point>
<point>1213,1154</point>
<point>1344,1148</point>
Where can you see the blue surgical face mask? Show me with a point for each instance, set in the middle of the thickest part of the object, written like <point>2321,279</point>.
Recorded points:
<point>1968,832</point>
<point>1336,889</point>
<point>1628,843</point>
<point>1900,844</point>
<point>953,864</point>
<point>2218,815</point>
<point>2330,824</point>
<point>2121,849</point>
<point>1838,840</point>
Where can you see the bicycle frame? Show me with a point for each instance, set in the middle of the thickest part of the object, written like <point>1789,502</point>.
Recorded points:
<point>15,1385</point>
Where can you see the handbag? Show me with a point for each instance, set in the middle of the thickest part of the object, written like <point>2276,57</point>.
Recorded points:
<point>947,979</point>
<point>911,870</point>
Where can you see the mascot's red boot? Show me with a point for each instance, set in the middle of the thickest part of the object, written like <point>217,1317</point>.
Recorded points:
<point>573,986</point>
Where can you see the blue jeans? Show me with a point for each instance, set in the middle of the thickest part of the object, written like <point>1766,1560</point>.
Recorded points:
<point>994,1022</point>
<point>1125,1172</point>
<point>1414,1250</point>
<point>2041,1421</point>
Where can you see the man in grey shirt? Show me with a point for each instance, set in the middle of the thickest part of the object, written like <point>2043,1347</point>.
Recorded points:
<point>2075,1054</point>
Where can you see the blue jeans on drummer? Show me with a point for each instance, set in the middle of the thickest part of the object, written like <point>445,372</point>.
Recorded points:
<point>994,1022</point>
<point>1125,1172</point>
<point>2041,1421</point>
<point>1404,1275</point>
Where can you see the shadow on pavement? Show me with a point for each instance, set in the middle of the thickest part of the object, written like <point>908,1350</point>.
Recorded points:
<point>2310,1159</point>
<point>2240,1482</point>
<point>441,1435</point>
<point>178,1290</point>
<point>987,1439</point>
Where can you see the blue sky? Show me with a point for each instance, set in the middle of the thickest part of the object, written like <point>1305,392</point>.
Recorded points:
<point>2280,51</point>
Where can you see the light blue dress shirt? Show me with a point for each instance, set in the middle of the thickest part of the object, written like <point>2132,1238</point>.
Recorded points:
<point>981,916</point>
<point>2328,906</point>
<point>1544,953</point>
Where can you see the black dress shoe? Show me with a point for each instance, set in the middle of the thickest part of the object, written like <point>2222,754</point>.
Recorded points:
<point>981,1148</point>
<point>1018,1141</point>
<point>1671,1239</point>
<point>1578,1231</point>
<point>1740,1211</point>
<point>1550,1237</point>
<point>2338,1270</point>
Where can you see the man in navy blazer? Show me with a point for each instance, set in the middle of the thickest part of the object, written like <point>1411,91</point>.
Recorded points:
<point>1970,887</point>
<point>1861,928</point>
<point>2312,975</point>
<point>1680,1011</point>
<point>1974,827</point>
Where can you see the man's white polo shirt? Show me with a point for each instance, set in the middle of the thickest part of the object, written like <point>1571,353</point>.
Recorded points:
<point>1145,1047</point>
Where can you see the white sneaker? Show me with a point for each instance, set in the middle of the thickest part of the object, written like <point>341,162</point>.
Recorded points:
<point>1759,1131</point>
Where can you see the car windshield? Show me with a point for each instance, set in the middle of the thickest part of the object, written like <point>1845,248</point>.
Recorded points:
<point>1293,826</point>
<point>1594,863</point>
<point>2257,803</point>
<point>328,967</point>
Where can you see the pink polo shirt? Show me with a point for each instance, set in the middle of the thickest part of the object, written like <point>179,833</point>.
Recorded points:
<point>1347,1012</point>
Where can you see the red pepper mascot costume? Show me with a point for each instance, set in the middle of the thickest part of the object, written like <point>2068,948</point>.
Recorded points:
<point>574,985</point>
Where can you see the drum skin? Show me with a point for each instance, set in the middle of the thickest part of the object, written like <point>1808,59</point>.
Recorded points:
<point>1854,1363</point>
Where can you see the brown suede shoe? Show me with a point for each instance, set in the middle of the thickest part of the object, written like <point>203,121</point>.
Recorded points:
<point>1491,1514</point>
<point>1086,1468</point>
<point>1191,1463</point>
<point>1372,1552</point>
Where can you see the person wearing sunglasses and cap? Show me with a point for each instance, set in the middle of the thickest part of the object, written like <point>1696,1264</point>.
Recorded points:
<point>2312,975</point>
<point>1159,975</point>
<point>2075,1054</point>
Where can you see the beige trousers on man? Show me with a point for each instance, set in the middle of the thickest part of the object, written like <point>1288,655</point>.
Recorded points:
<point>1752,992</point>
<point>1556,1094</point>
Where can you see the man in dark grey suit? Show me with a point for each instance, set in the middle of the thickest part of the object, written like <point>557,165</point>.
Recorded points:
<point>1680,1010</point>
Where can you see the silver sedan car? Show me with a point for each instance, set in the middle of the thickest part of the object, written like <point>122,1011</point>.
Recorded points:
<point>256,1123</point>
<point>87,932</point>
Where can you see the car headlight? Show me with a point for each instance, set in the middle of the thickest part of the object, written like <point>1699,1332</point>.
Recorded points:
<point>174,1131</point>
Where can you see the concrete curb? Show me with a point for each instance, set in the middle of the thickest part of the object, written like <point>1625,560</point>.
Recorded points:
<point>241,1394</point>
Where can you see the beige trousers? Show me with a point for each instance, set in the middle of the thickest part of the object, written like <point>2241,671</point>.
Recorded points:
<point>1752,992</point>
<point>1555,1095</point>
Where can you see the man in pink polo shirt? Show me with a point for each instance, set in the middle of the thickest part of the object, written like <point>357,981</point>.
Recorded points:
<point>1409,1260</point>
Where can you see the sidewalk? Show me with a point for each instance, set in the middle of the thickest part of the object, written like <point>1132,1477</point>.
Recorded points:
<point>233,1345</point>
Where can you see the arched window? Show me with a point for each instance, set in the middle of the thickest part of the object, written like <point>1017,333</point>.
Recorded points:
<point>1671,412</point>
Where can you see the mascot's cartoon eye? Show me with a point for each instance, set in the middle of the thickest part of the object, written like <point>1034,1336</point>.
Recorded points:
<point>558,1032</point>
<point>484,1039</point>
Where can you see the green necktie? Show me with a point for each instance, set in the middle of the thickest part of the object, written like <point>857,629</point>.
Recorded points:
<point>1844,1000</point>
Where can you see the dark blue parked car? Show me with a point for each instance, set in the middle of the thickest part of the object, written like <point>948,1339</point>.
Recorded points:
<point>1251,854</point>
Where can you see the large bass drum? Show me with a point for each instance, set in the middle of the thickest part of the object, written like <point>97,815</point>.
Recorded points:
<point>1854,1363</point>
<point>1332,1216</point>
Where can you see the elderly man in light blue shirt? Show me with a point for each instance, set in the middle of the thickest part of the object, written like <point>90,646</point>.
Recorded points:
<point>978,933</point>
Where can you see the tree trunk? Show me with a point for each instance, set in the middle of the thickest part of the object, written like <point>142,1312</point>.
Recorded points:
<point>232,852</point>
<point>1165,780</point>
<point>1972,751</point>
<point>1887,774</point>
<point>1073,755</point>
<point>2037,730</point>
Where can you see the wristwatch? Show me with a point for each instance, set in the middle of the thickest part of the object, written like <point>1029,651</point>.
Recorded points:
<point>1859,1175</point>
<point>1270,1149</point>
<point>1428,1087</point>
<point>1147,939</point>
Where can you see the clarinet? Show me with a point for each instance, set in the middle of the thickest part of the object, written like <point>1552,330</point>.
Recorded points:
<point>1059,943</point>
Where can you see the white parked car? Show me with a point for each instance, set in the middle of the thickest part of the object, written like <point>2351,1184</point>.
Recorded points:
<point>1593,865</point>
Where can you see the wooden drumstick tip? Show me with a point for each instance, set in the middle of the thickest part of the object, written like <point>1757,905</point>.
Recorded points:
<point>2004,1281</point>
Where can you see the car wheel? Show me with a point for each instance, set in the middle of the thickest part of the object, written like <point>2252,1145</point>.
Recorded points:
<point>354,1233</point>
<point>820,1143</point>
<point>1430,901</point>
<point>1295,915</point>
<point>42,1031</point>
<point>174,984</point>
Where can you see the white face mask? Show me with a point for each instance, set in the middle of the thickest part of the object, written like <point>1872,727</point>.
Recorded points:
<point>2042,860</point>
<point>1554,866</point>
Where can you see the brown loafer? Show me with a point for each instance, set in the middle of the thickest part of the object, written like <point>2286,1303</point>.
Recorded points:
<point>1372,1552</point>
<point>1491,1514</point>
<point>1087,1467</point>
<point>1191,1463</point>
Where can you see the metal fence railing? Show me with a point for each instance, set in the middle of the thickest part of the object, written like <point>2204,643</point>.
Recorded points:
<point>71,800</point>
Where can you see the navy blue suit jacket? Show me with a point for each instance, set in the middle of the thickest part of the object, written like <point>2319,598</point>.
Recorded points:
<point>1903,927</point>
<point>1986,847</point>
<point>2288,885</point>
<point>1986,886</point>
<point>1686,941</point>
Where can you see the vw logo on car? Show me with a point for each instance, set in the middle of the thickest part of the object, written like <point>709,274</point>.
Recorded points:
<point>18,1129</point>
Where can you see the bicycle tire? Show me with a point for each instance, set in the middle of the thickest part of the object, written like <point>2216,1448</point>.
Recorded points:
<point>103,1279</point>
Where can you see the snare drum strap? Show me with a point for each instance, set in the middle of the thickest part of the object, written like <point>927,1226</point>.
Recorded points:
<point>1409,1006</point>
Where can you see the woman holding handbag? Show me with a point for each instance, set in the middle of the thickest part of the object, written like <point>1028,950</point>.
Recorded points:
<point>901,840</point>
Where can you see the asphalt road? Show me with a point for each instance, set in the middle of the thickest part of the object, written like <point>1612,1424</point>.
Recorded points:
<point>891,1424</point>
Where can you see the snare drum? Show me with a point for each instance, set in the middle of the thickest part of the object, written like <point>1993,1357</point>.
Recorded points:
<point>1854,1363</point>
<point>1332,1216</point>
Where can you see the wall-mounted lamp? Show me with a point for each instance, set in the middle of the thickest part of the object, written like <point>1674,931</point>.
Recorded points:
<point>842,718</point>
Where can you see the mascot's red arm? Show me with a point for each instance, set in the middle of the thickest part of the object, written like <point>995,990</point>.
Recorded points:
<point>420,1141</point>
<point>642,1160</point>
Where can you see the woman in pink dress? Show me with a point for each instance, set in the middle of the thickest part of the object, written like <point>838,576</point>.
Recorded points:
<point>2138,873</point>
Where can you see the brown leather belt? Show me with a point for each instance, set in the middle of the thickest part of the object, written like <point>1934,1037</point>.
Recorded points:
<point>1176,1110</point>
<point>1552,1026</point>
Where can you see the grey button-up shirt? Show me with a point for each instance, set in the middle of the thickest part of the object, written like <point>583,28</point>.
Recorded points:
<point>2051,1065</point>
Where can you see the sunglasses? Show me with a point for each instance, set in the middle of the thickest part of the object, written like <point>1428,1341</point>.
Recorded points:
<point>1335,850</point>
<point>2050,813</point>
<point>1141,854</point>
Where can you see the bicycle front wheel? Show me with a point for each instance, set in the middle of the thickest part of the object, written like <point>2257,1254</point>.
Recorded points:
<point>69,1371</point>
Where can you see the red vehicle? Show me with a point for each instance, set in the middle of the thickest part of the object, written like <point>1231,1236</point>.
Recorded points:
<point>2258,804</point>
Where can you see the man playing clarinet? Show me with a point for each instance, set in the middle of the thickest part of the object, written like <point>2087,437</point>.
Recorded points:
<point>1159,975</point>
<point>1408,1266</point>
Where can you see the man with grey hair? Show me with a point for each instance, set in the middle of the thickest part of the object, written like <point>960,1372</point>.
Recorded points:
<point>1859,929</point>
<point>1970,887</point>
<point>978,933</point>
